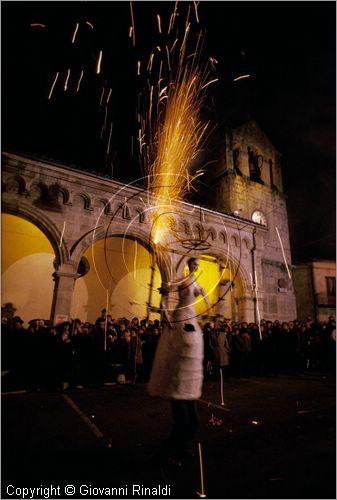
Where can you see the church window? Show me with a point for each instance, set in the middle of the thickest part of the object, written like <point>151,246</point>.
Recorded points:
<point>255,165</point>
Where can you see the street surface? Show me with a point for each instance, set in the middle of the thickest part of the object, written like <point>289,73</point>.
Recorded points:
<point>273,438</point>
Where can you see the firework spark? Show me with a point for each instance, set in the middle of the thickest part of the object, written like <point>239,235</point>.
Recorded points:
<point>75,33</point>
<point>133,25</point>
<point>66,80</point>
<point>53,85</point>
<point>99,62</point>
<point>79,81</point>
<point>284,255</point>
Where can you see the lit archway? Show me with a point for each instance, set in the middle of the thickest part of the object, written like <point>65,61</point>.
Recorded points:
<point>119,279</point>
<point>27,268</point>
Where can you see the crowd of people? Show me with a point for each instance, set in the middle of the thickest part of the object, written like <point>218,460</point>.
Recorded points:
<point>76,354</point>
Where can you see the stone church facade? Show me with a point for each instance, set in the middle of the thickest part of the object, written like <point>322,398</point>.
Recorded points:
<point>245,231</point>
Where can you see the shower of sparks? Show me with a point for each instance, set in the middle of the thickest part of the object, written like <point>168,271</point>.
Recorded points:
<point>66,80</point>
<point>61,239</point>
<point>37,25</point>
<point>209,83</point>
<point>159,23</point>
<point>53,85</point>
<point>284,256</point>
<point>99,62</point>
<point>175,132</point>
<point>133,25</point>
<point>241,77</point>
<point>75,33</point>
<point>79,81</point>
<point>89,24</point>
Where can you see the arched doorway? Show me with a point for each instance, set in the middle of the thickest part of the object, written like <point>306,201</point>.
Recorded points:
<point>27,268</point>
<point>119,279</point>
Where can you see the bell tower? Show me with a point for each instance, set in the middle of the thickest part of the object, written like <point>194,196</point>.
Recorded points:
<point>247,183</point>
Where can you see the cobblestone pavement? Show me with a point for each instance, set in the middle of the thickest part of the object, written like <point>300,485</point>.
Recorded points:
<point>272,438</point>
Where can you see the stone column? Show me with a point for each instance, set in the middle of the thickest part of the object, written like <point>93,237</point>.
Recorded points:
<point>64,279</point>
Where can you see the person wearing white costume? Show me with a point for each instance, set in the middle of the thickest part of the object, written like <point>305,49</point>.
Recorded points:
<point>177,372</point>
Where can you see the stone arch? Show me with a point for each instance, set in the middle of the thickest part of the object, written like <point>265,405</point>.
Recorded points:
<point>85,199</point>
<point>49,229</point>
<point>106,204</point>
<point>42,187</point>
<point>234,240</point>
<point>100,233</point>
<point>245,244</point>
<point>141,215</point>
<point>223,237</point>
<point>17,182</point>
<point>184,226</point>
<point>210,234</point>
<point>200,230</point>
<point>64,193</point>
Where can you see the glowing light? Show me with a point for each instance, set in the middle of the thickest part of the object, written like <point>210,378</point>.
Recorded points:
<point>89,24</point>
<point>79,81</point>
<point>138,68</point>
<point>66,80</point>
<point>61,239</point>
<point>133,25</point>
<point>221,388</point>
<point>159,23</point>
<point>135,261</point>
<point>196,10</point>
<point>101,98</point>
<point>109,140</point>
<point>284,256</point>
<point>53,85</point>
<point>202,493</point>
<point>37,25</point>
<point>75,33</point>
<point>209,83</point>
<point>99,62</point>
<point>109,95</point>
<point>255,422</point>
<point>241,77</point>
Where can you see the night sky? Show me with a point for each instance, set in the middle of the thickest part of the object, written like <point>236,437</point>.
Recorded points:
<point>288,48</point>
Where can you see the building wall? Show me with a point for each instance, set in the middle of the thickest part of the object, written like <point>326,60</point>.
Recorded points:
<point>311,290</point>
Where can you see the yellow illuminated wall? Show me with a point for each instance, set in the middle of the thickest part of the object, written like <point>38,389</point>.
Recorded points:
<point>208,275</point>
<point>123,267</point>
<point>27,268</point>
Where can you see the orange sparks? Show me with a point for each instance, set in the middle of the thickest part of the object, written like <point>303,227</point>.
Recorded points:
<point>102,94</point>
<point>108,98</point>
<point>79,81</point>
<point>53,85</point>
<point>99,62</point>
<point>66,80</point>
<point>89,24</point>
<point>133,25</point>
<point>138,68</point>
<point>159,23</point>
<point>130,32</point>
<point>209,83</point>
<point>241,77</point>
<point>37,25</point>
<point>75,33</point>
<point>109,141</point>
<point>196,10</point>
